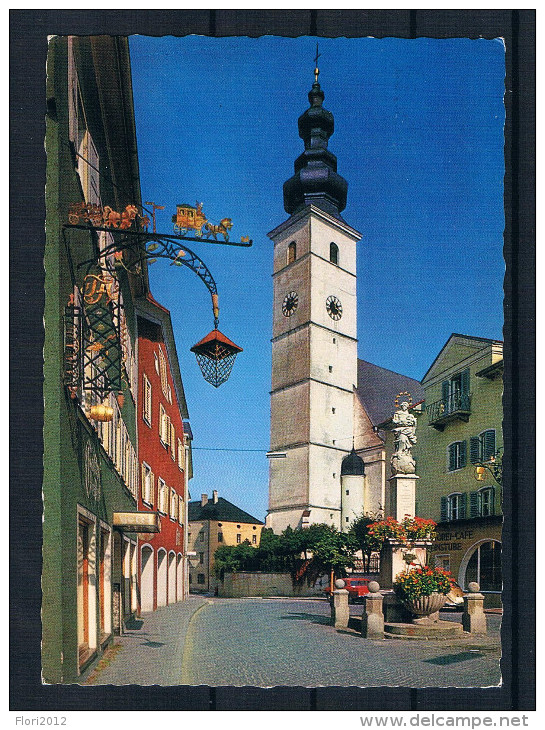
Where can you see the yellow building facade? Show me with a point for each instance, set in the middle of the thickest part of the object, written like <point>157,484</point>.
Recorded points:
<point>213,523</point>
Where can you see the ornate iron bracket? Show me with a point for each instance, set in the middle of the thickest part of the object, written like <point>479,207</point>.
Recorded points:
<point>494,466</point>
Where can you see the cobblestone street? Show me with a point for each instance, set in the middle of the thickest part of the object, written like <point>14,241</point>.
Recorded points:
<point>278,642</point>
<point>267,642</point>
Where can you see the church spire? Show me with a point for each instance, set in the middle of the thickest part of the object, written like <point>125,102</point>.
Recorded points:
<point>316,180</point>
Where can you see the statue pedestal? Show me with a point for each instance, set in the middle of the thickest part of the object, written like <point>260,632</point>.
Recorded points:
<point>392,562</point>
<point>402,496</point>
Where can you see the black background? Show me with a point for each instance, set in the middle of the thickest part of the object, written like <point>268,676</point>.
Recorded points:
<point>28,48</point>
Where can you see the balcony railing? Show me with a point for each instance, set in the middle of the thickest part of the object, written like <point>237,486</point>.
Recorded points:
<point>456,406</point>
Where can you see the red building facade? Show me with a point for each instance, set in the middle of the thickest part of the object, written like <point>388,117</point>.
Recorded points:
<point>164,455</point>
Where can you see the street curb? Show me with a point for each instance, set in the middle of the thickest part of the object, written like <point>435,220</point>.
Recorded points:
<point>178,658</point>
<point>184,653</point>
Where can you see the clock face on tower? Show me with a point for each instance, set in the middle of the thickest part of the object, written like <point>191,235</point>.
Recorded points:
<point>289,305</point>
<point>334,308</point>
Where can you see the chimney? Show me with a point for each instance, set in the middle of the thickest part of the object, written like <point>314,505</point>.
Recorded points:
<point>215,496</point>
<point>204,499</point>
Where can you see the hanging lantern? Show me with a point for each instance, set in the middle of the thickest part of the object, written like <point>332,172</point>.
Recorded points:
<point>216,356</point>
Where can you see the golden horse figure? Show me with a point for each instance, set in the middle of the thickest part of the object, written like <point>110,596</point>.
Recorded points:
<point>224,227</point>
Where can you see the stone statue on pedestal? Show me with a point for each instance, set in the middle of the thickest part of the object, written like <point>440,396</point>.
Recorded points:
<point>402,461</point>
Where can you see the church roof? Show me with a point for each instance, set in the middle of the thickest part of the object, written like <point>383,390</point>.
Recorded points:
<point>222,510</point>
<point>378,387</point>
<point>316,180</point>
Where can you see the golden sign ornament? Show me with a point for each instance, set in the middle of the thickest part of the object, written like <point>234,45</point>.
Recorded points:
<point>96,286</point>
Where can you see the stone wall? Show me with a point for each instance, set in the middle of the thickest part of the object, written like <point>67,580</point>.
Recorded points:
<point>239,585</point>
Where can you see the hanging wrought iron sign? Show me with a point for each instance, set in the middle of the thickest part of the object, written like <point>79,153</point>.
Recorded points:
<point>98,364</point>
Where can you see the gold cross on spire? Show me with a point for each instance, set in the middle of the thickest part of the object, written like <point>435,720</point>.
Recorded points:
<point>316,69</point>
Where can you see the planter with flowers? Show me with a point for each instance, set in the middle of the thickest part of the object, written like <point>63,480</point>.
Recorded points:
<point>423,590</point>
<point>397,541</point>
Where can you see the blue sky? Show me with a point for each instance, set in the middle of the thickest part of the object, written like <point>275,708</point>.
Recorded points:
<point>419,137</point>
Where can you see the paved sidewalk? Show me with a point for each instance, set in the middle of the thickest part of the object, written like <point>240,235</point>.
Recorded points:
<point>151,651</point>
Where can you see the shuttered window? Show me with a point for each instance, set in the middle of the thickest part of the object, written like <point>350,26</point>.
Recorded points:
<point>457,455</point>
<point>146,406</point>
<point>483,446</point>
<point>481,503</point>
<point>453,507</point>
<point>172,440</point>
<point>162,497</point>
<point>173,504</point>
<point>147,484</point>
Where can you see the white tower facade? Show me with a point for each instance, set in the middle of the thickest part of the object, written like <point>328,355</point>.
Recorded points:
<point>314,366</point>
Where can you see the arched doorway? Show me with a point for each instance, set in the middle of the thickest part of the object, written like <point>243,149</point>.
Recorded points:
<point>482,564</point>
<point>172,577</point>
<point>179,578</point>
<point>146,580</point>
<point>161,577</point>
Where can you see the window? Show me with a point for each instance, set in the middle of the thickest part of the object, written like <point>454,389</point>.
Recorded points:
<point>180,455</point>
<point>346,519</point>
<point>457,455</point>
<point>239,538</point>
<point>481,503</point>
<point>201,578</point>
<point>147,484</point>
<point>347,492</point>
<point>162,424</point>
<point>484,567</point>
<point>334,253</point>
<point>455,393</point>
<point>172,440</point>
<point>333,410</point>
<point>483,446</point>
<point>453,507</point>
<point>331,368</point>
<point>146,406</point>
<point>163,372</point>
<point>181,508</point>
<point>254,539</point>
<point>162,496</point>
<point>292,252</point>
<point>201,558</point>
<point>220,536</point>
<point>442,561</point>
<point>173,505</point>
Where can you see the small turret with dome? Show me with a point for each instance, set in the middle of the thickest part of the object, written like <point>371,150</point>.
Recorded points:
<point>352,465</point>
<point>352,488</point>
<point>316,180</point>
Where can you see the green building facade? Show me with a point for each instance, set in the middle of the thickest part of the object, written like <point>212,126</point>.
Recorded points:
<point>458,460</point>
<point>90,465</point>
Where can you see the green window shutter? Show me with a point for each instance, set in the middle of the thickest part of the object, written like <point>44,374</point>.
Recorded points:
<point>474,504</point>
<point>452,457</point>
<point>444,509</point>
<point>489,444</point>
<point>463,504</point>
<point>474,449</point>
<point>463,454</point>
<point>465,381</point>
<point>492,500</point>
<point>444,390</point>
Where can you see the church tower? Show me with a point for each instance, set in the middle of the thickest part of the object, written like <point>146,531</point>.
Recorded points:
<point>314,343</point>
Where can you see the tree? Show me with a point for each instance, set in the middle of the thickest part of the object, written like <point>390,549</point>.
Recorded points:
<point>359,529</point>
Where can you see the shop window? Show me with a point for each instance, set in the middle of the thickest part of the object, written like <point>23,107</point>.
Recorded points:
<point>484,567</point>
<point>292,252</point>
<point>334,253</point>
<point>457,455</point>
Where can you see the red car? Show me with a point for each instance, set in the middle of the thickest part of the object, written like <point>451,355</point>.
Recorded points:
<point>356,586</point>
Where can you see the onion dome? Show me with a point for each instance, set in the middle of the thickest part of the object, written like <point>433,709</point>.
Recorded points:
<point>352,465</point>
<point>316,180</point>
